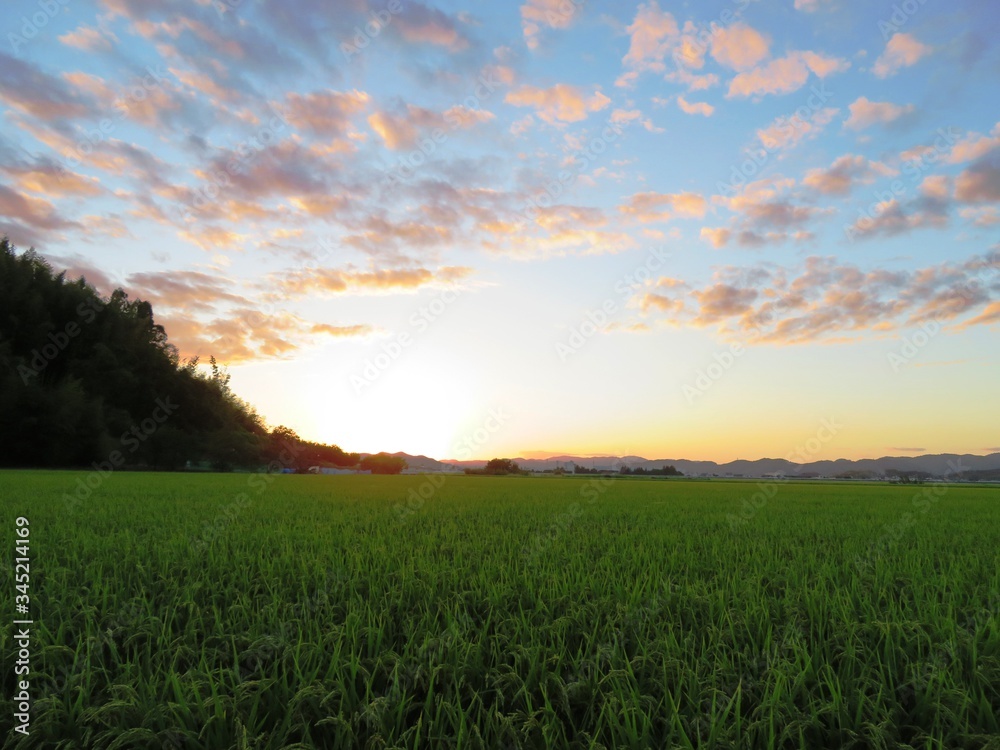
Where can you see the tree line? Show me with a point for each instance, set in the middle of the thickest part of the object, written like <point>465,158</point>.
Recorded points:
<point>85,378</point>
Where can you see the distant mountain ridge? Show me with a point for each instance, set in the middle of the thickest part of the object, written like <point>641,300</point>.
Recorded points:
<point>937,465</point>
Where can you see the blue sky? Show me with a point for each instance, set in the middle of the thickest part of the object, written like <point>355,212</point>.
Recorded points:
<point>674,230</point>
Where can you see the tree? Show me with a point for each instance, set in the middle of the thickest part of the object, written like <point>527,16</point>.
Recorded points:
<point>383,463</point>
<point>501,466</point>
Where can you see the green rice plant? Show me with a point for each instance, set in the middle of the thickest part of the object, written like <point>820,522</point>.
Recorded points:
<point>311,618</point>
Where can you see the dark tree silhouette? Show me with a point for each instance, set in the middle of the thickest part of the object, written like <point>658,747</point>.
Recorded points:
<point>501,466</point>
<point>383,463</point>
<point>87,380</point>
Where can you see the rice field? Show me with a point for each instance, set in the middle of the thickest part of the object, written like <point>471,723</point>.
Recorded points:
<point>236,611</point>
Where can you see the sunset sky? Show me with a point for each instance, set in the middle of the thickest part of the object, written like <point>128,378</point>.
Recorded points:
<point>672,230</point>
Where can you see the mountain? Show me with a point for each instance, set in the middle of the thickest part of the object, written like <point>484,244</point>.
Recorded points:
<point>940,465</point>
<point>424,463</point>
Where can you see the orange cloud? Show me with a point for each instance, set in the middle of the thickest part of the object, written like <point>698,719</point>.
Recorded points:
<point>52,181</point>
<point>651,36</point>
<point>559,103</point>
<point>652,206</point>
<point>785,74</point>
<point>739,46</point>
<point>786,132</point>
<point>336,281</point>
<point>972,147</point>
<point>825,299</point>
<point>538,14</point>
<point>88,39</point>
<point>865,113</point>
<point>901,51</point>
<point>980,183</point>
<point>692,81</point>
<point>717,237</point>
<point>401,130</point>
<point>695,108</point>
<point>325,113</point>
<point>845,173</point>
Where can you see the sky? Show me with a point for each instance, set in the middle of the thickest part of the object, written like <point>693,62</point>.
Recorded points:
<point>712,230</point>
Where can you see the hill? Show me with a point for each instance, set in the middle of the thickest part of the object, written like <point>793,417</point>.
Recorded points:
<point>941,465</point>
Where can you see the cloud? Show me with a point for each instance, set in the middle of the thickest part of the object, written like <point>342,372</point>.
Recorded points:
<point>720,301</point>
<point>539,14</point>
<point>786,132</point>
<point>989,316</point>
<point>651,35</point>
<point>667,296</point>
<point>908,450</point>
<point>980,183</point>
<point>695,108</point>
<point>419,24</point>
<point>46,178</point>
<point>784,75</point>
<point>846,172</point>
<point>765,214</point>
<point>627,116</point>
<point>30,217</point>
<point>981,216</point>
<point>89,39</point>
<point>209,314</point>
<point>972,147</point>
<point>34,92</point>
<point>559,103</point>
<point>692,81</point>
<point>401,129</point>
<point>739,46</point>
<point>717,237</point>
<point>247,334</point>
<point>826,298</point>
<point>655,207</point>
<point>325,113</point>
<point>810,6</point>
<point>865,113</point>
<point>901,51</point>
<point>298,283</point>
<point>891,218</point>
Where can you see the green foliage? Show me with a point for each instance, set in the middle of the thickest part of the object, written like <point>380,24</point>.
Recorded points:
<point>502,466</point>
<point>664,471</point>
<point>84,380</point>
<point>383,463</point>
<point>514,613</point>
